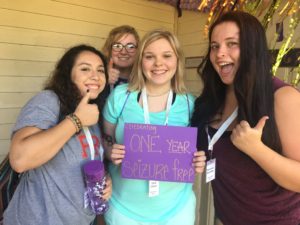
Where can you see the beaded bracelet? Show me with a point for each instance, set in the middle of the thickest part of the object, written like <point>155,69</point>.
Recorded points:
<point>76,121</point>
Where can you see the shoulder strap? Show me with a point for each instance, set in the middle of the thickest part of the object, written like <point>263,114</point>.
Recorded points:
<point>128,93</point>
<point>188,103</point>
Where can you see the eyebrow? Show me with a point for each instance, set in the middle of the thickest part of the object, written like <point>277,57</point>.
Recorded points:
<point>226,39</point>
<point>88,64</point>
<point>129,43</point>
<point>149,52</point>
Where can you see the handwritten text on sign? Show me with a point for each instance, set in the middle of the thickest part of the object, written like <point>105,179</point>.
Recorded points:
<point>156,152</point>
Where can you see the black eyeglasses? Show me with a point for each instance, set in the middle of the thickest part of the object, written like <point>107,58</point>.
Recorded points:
<point>119,47</point>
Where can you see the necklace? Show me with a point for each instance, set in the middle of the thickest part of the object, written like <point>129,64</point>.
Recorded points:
<point>157,95</point>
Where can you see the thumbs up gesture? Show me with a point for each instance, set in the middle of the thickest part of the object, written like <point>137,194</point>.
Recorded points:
<point>113,74</point>
<point>245,137</point>
<point>87,113</point>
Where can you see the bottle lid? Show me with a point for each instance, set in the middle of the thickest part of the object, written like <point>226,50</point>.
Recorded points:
<point>94,170</point>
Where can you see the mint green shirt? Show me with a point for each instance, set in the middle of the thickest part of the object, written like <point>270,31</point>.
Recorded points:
<point>130,196</point>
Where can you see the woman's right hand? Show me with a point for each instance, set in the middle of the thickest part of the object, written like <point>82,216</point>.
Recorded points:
<point>108,188</point>
<point>87,113</point>
<point>113,73</point>
<point>117,154</point>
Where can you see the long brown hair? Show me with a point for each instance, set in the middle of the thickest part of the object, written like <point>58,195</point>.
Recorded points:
<point>61,83</point>
<point>253,83</point>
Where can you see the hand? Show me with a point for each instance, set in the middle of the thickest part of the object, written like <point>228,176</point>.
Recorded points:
<point>199,161</point>
<point>108,189</point>
<point>117,154</point>
<point>113,74</point>
<point>246,138</point>
<point>87,113</point>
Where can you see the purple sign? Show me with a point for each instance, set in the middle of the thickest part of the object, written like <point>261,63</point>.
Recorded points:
<point>163,153</point>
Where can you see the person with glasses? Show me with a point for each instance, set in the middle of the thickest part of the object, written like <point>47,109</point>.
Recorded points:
<point>120,49</point>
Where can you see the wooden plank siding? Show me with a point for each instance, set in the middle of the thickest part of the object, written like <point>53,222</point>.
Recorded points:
<point>191,36</point>
<point>34,34</point>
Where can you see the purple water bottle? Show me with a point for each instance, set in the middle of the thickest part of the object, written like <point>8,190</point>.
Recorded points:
<point>94,174</point>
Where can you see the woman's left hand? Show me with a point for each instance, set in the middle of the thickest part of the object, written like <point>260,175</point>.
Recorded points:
<point>199,161</point>
<point>108,189</point>
<point>245,137</point>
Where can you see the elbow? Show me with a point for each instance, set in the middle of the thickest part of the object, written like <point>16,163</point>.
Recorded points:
<point>16,165</point>
<point>16,162</point>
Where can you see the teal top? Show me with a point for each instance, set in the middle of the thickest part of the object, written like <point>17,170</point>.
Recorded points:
<point>130,196</point>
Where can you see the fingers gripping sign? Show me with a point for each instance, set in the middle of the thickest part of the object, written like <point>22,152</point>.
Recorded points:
<point>87,113</point>
<point>245,137</point>
<point>117,154</point>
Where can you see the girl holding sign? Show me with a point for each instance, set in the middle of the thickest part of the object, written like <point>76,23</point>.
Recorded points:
<point>257,158</point>
<point>155,95</point>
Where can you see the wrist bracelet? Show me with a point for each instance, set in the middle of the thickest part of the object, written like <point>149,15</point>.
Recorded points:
<point>76,121</point>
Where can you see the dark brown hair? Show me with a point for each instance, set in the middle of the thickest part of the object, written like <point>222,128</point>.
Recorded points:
<point>253,84</point>
<point>61,83</point>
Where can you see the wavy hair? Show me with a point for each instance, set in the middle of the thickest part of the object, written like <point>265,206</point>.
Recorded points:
<point>137,78</point>
<point>61,83</point>
<point>253,83</point>
<point>116,34</point>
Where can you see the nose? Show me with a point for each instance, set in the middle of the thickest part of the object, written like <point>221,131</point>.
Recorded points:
<point>221,51</point>
<point>158,61</point>
<point>94,75</point>
<point>123,51</point>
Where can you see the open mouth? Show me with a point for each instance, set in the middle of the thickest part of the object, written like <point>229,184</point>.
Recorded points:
<point>226,67</point>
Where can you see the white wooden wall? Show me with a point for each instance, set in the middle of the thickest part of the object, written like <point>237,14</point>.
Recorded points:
<point>35,33</point>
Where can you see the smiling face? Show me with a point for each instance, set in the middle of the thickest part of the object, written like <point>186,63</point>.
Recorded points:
<point>88,73</point>
<point>124,59</point>
<point>159,63</point>
<point>225,51</point>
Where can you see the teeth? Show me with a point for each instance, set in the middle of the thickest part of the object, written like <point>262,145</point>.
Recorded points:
<point>93,86</point>
<point>224,64</point>
<point>123,58</point>
<point>158,71</point>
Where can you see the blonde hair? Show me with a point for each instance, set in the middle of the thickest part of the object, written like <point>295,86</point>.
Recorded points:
<point>116,34</point>
<point>137,78</point>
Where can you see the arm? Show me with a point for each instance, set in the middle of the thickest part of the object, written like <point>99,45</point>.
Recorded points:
<point>113,152</point>
<point>31,147</point>
<point>282,168</point>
